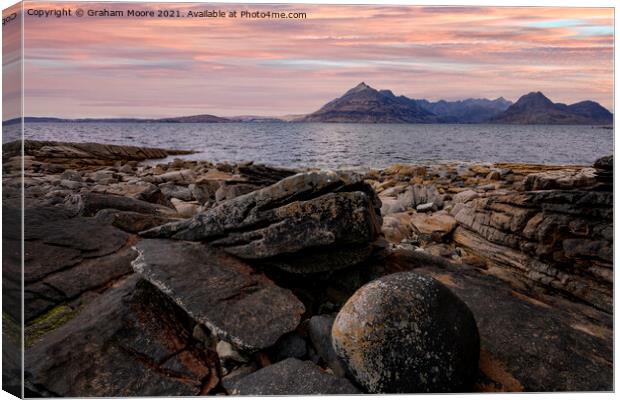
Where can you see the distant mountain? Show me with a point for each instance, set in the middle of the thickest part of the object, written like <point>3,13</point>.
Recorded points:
<point>192,119</point>
<point>254,118</point>
<point>205,118</point>
<point>469,111</point>
<point>363,104</point>
<point>536,108</point>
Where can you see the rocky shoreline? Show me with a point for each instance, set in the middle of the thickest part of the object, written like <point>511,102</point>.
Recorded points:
<point>192,277</point>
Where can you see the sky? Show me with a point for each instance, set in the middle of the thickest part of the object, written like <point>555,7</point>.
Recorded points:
<point>159,67</point>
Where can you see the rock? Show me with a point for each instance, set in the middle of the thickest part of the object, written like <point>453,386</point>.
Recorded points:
<point>226,352</point>
<point>532,343</point>
<point>228,191</point>
<point>290,377</point>
<point>605,173</point>
<point>42,259</point>
<point>130,221</point>
<point>72,185</point>
<point>436,225</point>
<point>413,197</point>
<point>219,291</point>
<point>73,252</point>
<point>465,196</point>
<point>78,155</point>
<point>204,191</point>
<point>425,207</point>
<point>263,175</point>
<point>104,177</point>
<point>558,240</point>
<point>126,169</point>
<point>88,235</point>
<point>406,333</point>
<point>392,206</point>
<point>131,341</point>
<point>202,334</point>
<point>494,176</point>
<point>397,227</point>
<point>88,204</point>
<point>181,177</point>
<point>290,345</point>
<point>560,179</point>
<point>71,175</point>
<point>605,163</point>
<point>170,190</point>
<point>185,209</point>
<point>91,273</point>
<point>320,332</point>
<point>335,212</point>
<point>152,194</point>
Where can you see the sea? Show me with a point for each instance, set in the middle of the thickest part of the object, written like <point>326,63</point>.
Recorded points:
<point>334,145</point>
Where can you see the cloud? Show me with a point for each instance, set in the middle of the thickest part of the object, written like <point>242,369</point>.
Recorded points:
<point>150,67</point>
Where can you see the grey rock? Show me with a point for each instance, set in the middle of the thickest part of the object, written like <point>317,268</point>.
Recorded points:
<point>126,169</point>
<point>226,295</point>
<point>320,332</point>
<point>182,177</point>
<point>171,190</point>
<point>524,336</point>
<point>92,273</point>
<point>314,210</point>
<point>290,345</point>
<point>131,221</point>
<point>407,333</point>
<point>263,175</point>
<point>237,374</point>
<point>290,377</point>
<point>153,194</point>
<point>425,207</point>
<point>204,191</point>
<point>72,185</point>
<point>228,191</point>
<point>88,204</point>
<point>71,175</point>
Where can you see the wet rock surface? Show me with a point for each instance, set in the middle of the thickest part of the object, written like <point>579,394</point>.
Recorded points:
<point>542,255</point>
<point>407,333</point>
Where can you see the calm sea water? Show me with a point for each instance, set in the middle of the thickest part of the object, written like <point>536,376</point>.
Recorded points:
<point>347,145</point>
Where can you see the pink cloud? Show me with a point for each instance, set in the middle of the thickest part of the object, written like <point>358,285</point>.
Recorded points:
<point>78,67</point>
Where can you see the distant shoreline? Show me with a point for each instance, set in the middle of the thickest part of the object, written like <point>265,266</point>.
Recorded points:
<point>180,120</point>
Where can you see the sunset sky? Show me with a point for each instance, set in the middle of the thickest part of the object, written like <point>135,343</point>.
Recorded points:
<point>128,67</point>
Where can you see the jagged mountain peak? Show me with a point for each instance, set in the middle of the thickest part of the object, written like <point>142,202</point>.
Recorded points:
<point>534,99</point>
<point>360,88</point>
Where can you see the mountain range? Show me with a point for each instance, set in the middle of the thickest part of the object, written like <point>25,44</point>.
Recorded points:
<point>364,104</point>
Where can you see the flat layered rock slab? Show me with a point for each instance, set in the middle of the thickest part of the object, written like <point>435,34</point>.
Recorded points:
<point>532,345</point>
<point>238,304</point>
<point>131,341</point>
<point>290,377</point>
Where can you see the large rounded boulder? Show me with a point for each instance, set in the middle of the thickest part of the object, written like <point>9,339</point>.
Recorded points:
<point>407,333</point>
